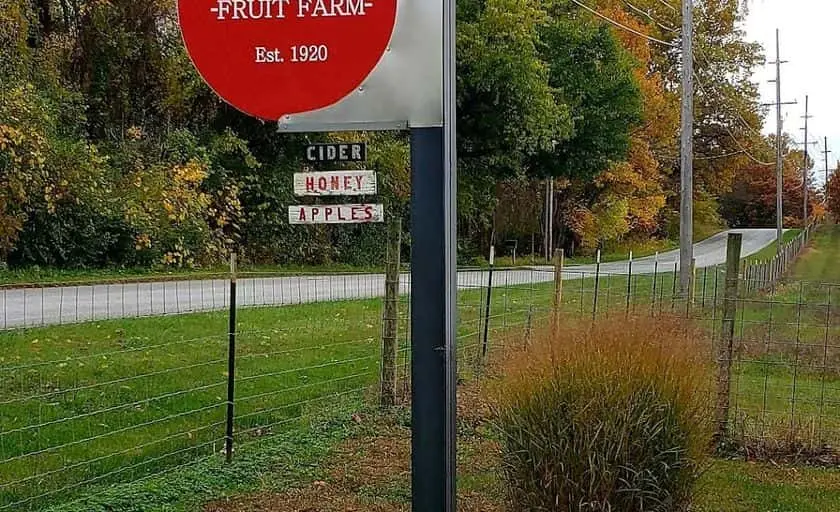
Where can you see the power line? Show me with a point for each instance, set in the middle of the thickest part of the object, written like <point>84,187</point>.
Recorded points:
<point>705,62</point>
<point>720,157</point>
<point>742,149</point>
<point>624,27</point>
<point>669,6</point>
<point>649,16</point>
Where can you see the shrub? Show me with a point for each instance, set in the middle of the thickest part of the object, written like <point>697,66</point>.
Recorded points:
<point>612,417</point>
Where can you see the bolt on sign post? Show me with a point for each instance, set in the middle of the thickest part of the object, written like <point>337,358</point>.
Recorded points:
<point>350,65</point>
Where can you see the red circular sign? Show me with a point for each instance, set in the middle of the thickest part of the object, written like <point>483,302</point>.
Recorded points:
<point>270,58</point>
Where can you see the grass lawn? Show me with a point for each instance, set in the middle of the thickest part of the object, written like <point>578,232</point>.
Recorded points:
<point>769,252</point>
<point>819,261</point>
<point>737,486</point>
<point>52,276</point>
<point>640,250</point>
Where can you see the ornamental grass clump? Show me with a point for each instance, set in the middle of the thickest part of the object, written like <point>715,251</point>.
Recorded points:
<point>614,417</point>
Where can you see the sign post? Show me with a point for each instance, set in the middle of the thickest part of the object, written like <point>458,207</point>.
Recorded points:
<point>434,298</point>
<point>349,65</point>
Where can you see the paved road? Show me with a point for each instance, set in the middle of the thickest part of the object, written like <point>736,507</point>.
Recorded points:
<point>71,304</point>
<point>708,253</point>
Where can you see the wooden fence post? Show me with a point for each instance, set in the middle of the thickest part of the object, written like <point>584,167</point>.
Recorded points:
<point>390,316</point>
<point>730,302</point>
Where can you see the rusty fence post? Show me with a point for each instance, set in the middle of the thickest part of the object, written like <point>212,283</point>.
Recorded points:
<point>725,350</point>
<point>390,317</point>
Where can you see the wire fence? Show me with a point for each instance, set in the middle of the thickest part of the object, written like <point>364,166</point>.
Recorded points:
<point>93,404</point>
<point>90,404</point>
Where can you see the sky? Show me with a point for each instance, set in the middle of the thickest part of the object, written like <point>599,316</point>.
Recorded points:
<point>808,39</point>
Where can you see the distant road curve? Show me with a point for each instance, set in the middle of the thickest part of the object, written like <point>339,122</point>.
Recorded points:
<point>29,307</point>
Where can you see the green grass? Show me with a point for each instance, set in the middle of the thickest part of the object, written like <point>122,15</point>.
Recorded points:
<point>53,276</point>
<point>769,252</point>
<point>819,262</point>
<point>261,465</point>
<point>736,486</point>
<point>130,397</point>
<point>640,250</point>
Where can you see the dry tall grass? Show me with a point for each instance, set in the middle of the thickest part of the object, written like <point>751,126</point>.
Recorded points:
<point>612,417</point>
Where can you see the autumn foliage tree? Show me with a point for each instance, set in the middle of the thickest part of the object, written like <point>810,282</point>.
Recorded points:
<point>752,200</point>
<point>832,190</point>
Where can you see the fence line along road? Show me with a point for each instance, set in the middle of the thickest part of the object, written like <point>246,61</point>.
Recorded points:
<point>40,305</point>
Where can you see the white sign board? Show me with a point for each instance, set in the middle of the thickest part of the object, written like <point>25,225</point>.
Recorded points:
<point>336,214</point>
<point>335,183</point>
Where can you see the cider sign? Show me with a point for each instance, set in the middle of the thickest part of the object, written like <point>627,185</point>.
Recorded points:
<point>275,58</point>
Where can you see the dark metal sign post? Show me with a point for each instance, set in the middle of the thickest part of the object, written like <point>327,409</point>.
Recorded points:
<point>432,344</point>
<point>434,298</point>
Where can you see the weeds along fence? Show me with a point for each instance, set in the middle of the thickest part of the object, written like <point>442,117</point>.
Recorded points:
<point>88,405</point>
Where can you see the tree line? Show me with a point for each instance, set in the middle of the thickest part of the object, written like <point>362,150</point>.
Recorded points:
<point>114,153</point>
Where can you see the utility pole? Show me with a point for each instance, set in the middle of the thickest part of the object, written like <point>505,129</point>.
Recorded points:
<point>805,167</point>
<point>687,148</point>
<point>825,153</point>
<point>780,215</point>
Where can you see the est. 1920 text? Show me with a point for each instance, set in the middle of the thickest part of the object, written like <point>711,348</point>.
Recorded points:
<point>295,54</point>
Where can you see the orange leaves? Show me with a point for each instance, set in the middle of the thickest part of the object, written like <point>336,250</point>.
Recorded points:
<point>833,191</point>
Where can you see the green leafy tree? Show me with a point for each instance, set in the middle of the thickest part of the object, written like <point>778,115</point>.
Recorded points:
<point>593,75</point>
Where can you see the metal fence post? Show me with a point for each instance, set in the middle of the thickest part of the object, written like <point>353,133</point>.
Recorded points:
<point>231,360</point>
<point>689,300</point>
<point>629,283</point>
<point>597,283</point>
<point>730,302</point>
<point>655,279</point>
<point>674,287</point>
<point>487,305</point>
<point>390,316</point>
<point>559,261</point>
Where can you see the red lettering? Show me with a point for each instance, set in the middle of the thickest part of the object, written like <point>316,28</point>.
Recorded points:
<point>310,184</point>
<point>335,183</point>
<point>315,212</point>
<point>355,213</point>
<point>328,212</point>
<point>340,216</point>
<point>368,212</point>
<point>348,182</point>
<point>322,183</point>
<point>302,215</point>
<point>359,181</point>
